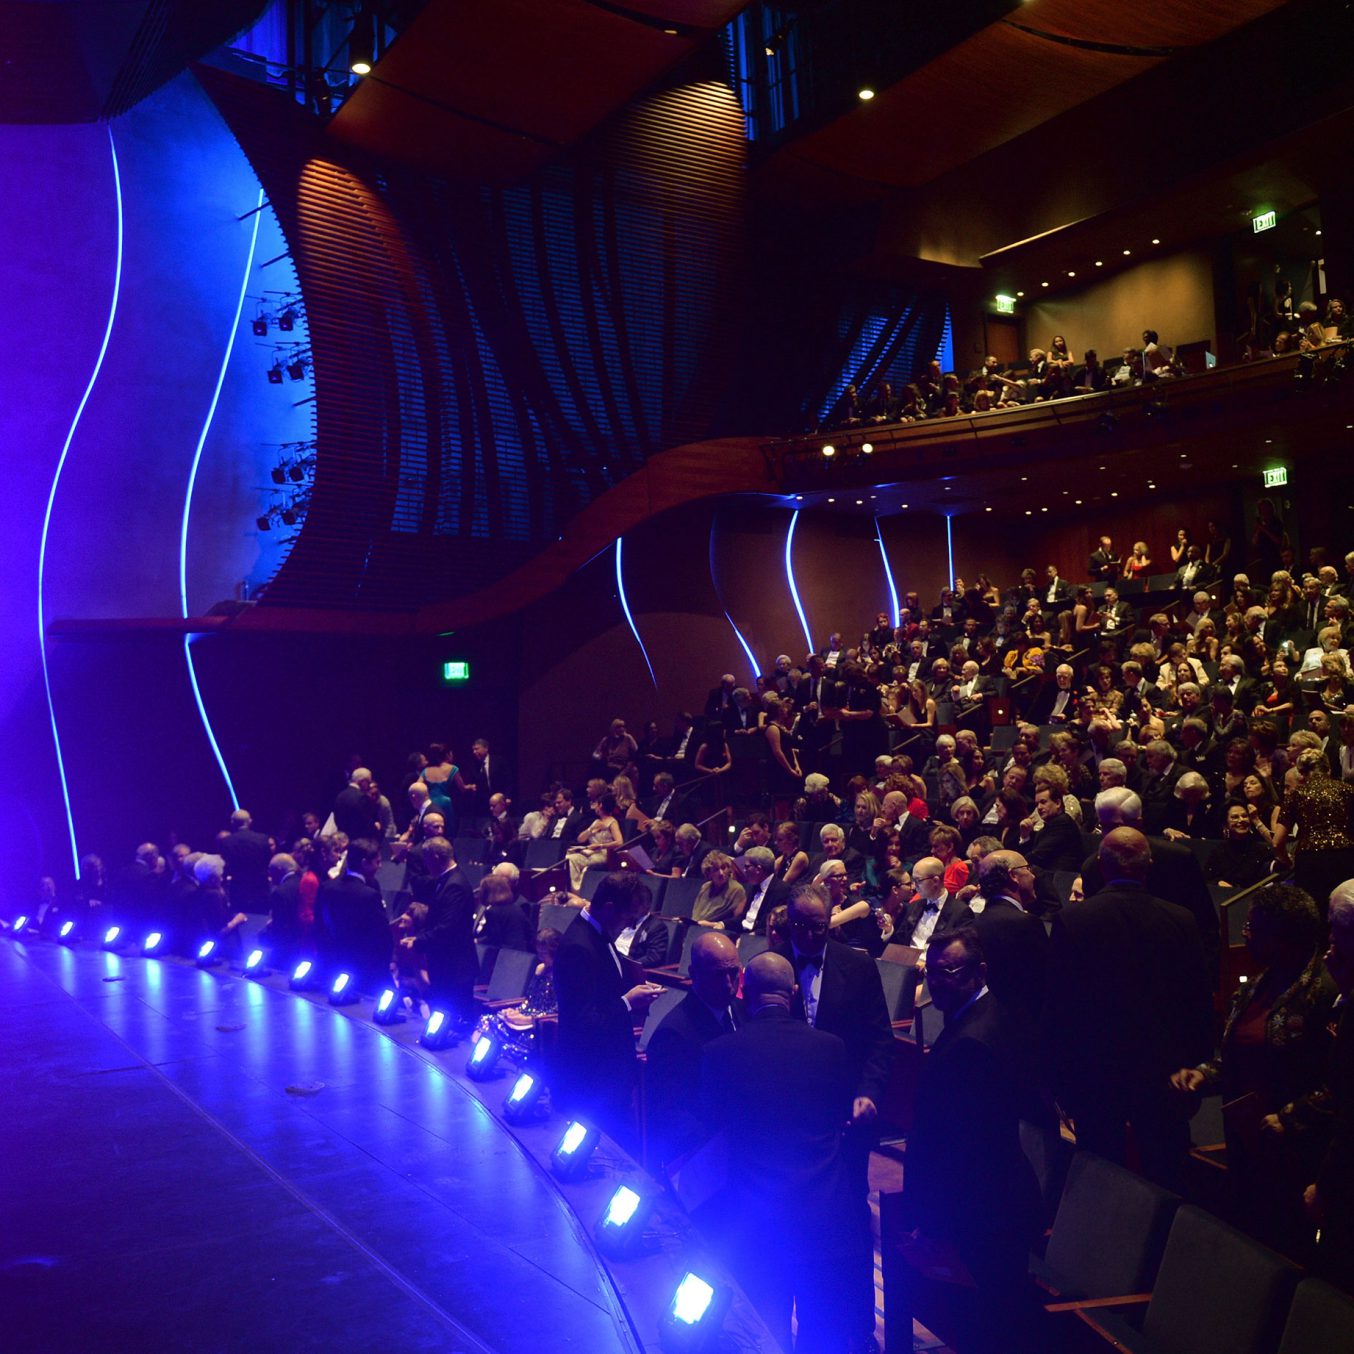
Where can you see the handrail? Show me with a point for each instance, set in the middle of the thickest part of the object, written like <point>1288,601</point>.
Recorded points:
<point>1264,883</point>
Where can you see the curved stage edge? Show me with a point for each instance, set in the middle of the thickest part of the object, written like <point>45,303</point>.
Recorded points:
<point>201,1161</point>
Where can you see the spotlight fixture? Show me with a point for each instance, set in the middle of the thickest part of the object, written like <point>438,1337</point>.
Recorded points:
<point>206,954</point>
<point>829,451</point>
<point>253,964</point>
<point>483,1058</point>
<point>152,942</point>
<point>524,1099</point>
<point>110,937</point>
<point>296,473</point>
<point>275,374</point>
<point>289,517</point>
<point>866,448</point>
<point>574,1150</point>
<point>387,1009</point>
<point>694,1316</point>
<point>287,320</point>
<point>303,977</point>
<point>260,327</point>
<point>263,523</point>
<point>297,369</point>
<point>621,1226</point>
<point>866,94</point>
<point>66,935</point>
<point>361,44</point>
<point>437,1033</point>
<point>279,475</point>
<point>341,991</point>
<point>19,924</point>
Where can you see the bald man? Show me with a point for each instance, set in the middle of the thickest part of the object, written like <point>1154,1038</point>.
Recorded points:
<point>788,1224</point>
<point>1128,1006</point>
<point>673,1056</point>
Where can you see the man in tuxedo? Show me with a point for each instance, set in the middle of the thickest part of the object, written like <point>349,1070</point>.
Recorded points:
<point>788,1222</point>
<point>355,814</point>
<point>840,992</point>
<point>568,821</point>
<point>720,697</point>
<point>1159,782</point>
<point>282,935</point>
<point>448,936</point>
<point>1104,564</point>
<point>352,931</point>
<point>489,774</point>
<point>913,832</point>
<point>741,716</point>
<point>673,1057</point>
<point>246,854</point>
<point>1013,938</point>
<point>1136,686</point>
<point>971,1194</point>
<point>1057,595</point>
<point>419,804</point>
<point>1232,676</point>
<point>1129,1005</point>
<point>1057,845</point>
<point>599,1007</point>
<point>664,802</point>
<point>933,910</point>
<point>1330,1198</point>
<point>682,747</point>
<point>1311,611</point>
<point>1194,572</point>
<point>765,893</point>
<point>1175,873</point>
<point>1116,616</point>
<point>1057,703</point>
<point>690,851</point>
<point>971,690</point>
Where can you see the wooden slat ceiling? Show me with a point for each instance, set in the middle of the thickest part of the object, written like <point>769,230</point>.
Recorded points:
<point>1011,77</point>
<point>490,89</point>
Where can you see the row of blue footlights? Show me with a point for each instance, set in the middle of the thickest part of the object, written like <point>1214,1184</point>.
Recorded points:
<point>697,1307</point>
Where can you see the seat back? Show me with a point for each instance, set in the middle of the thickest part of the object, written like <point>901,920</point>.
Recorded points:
<point>900,987</point>
<point>511,973</point>
<point>1109,1231</point>
<point>556,917</point>
<point>1217,1292</point>
<point>1321,1318</point>
<point>749,947</point>
<point>679,896</point>
<point>1050,1157</point>
<point>470,850</point>
<point>664,1002</point>
<point>542,853</point>
<point>693,933</point>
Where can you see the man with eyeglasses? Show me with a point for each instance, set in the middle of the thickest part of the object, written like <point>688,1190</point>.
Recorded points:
<point>933,909</point>
<point>839,991</point>
<point>971,1195</point>
<point>1014,941</point>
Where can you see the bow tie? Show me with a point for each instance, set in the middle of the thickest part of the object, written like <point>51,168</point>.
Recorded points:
<point>931,907</point>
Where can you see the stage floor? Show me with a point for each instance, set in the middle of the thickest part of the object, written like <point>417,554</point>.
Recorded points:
<point>197,1163</point>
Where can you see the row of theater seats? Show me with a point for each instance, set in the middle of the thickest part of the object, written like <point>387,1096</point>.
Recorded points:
<point>1148,1272</point>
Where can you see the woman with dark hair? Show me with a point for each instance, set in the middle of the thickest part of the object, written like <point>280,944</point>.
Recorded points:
<point>603,833</point>
<point>1238,762</point>
<point>442,776</point>
<point>1242,857</point>
<point>1270,763</point>
<point>1262,806</point>
<point>785,773</point>
<point>713,759</point>
<point>1271,1070</point>
<point>1012,810</point>
<point>1319,812</point>
<point>1279,694</point>
<point>1180,547</point>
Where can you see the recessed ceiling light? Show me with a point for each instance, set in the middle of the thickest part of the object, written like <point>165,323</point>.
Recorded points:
<point>1114,493</point>
<point>1024,479</point>
<point>1100,263</point>
<point>1077,500</point>
<point>1155,241</point>
<point>832,500</point>
<point>866,94</point>
<point>902,505</point>
<point>1269,441</point>
<point>1070,273</point>
<point>799,498</point>
<point>1029,512</point>
<point>1318,232</point>
<point>1043,284</point>
<point>1127,252</point>
<point>1019,294</point>
<point>1043,509</point>
<point>860,502</point>
<point>987,509</point>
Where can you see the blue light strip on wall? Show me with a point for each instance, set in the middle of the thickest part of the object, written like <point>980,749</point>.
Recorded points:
<point>738,635</point>
<point>51,502</point>
<point>888,572</point>
<point>714,583</point>
<point>790,578</point>
<point>188,502</point>
<point>949,546</point>
<point>629,619</point>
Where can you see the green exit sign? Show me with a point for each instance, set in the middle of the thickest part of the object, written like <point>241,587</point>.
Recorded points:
<point>1005,304</point>
<point>455,671</point>
<point>1277,477</point>
<point>1264,221</point>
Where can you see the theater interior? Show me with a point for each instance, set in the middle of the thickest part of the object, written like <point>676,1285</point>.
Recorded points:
<point>383,372</point>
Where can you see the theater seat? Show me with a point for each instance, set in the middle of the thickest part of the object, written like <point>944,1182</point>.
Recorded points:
<point>511,973</point>
<point>749,947</point>
<point>1321,1318</point>
<point>1109,1231</point>
<point>470,850</point>
<point>679,896</point>
<point>556,916</point>
<point>542,853</point>
<point>900,988</point>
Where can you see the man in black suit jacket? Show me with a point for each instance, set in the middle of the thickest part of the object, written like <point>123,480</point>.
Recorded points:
<point>1104,564</point>
<point>970,1190</point>
<point>756,871</point>
<point>840,992</point>
<point>1057,845</point>
<point>691,851</point>
<point>673,1057</point>
<point>933,910</point>
<point>355,815</point>
<point>1056,594</point>
<point>720,697</point>
<point>1015,944</point>
<point>448,937</point>
<point>246,854</point>
<point>787,1221</point>
<point>599,1007</point>
<point>1175,875</point>
<point>1129,1004</point>
<point>282,935</point>
<point>352,930</point>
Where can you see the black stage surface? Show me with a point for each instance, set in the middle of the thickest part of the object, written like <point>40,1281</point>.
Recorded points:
<point>174,1180</point>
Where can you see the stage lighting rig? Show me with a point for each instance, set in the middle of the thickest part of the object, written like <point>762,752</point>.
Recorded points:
<point>573,1152</point>
<point>524,1100</point>
<point>695,1315</point>
<point>342,992</point>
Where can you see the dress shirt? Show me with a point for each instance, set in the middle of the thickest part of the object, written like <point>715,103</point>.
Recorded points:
<point>926,923</point>
<point>558,829</point>
<point>1346,762</point>
<point>662,810</point>
<point>1052,594</point>
<point>1060,703</point>
<point>755,903</point>
<point>809,972</point>
<point>610,945</point>
<point>681,747</point>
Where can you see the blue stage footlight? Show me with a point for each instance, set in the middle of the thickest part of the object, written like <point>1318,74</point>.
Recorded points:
<point>483,1058</point>
<point>388,1009</point>
<point>66,935</point>
<point>621,1226</point>
<point>207,955</point>
<point>437,1033</point>
<point>19,924</point>
<point>341,991</point>
<point>524,1099</point>
<point>303,977</point>
<point>695,1315</point>
<point>253,964</point>
<point>574,1150</point>
<point>152,943</point>
<point>110,937</point>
